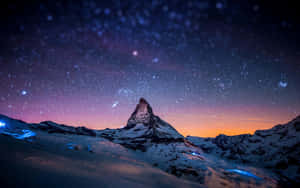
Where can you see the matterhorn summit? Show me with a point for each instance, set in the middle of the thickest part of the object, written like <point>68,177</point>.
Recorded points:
<point>143,128</point>
<point>142,114</point>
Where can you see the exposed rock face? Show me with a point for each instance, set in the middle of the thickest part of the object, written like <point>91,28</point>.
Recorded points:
<point>277,148</point>
<point>142,115</point>
<point>142,129</point>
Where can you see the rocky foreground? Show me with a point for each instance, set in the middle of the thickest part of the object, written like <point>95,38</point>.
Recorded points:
<point>269,158</point>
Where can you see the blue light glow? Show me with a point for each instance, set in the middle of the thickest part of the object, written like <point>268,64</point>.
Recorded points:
<point>26,134</point>
<point>196,154</point>
<point>71,146</point>
<point>2,124</point>
<point>245,173</point>
<point>282,84</point>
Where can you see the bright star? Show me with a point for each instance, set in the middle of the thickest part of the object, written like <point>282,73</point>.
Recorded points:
<point>135,53</point>
<point>115,104</point>
<point>23,92</point>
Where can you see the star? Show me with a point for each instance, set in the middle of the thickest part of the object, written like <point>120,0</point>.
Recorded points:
<point>155,60</point>
<point>49,18</point>
<point>135,53</point>
<point>23,92</point>
<point>155,77</point>
<point>115,104</point>
<point>219,5</point>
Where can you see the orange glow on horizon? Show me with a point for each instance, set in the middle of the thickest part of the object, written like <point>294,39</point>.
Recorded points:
<point>188,120</point>
<point>228,122</point>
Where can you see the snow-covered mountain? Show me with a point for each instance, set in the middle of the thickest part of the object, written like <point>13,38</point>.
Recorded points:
<point>154,142</point>
<point>143,129</point>
<point>277,148</point>
<point>161,144</point>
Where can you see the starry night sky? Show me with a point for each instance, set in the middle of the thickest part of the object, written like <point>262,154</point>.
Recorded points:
<point>207,67</point>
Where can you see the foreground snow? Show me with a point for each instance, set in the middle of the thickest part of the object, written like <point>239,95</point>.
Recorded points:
<point>49,162</point>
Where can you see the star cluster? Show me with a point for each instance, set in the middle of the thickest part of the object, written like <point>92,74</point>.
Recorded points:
<point>207,67</point>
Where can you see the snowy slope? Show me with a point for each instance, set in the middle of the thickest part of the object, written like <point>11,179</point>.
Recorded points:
<point>48,161</point>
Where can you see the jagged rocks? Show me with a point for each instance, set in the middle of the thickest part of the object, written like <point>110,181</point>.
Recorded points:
<point>142,114</point>
<point>143,129</point>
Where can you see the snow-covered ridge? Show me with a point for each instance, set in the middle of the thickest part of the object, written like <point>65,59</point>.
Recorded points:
<point>277,148</point>
<point>48,126</point>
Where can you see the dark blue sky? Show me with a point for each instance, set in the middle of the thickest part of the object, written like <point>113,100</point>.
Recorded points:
<point>198,63</point>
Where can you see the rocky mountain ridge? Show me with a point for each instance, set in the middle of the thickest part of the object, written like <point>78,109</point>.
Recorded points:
<point>277,148</point>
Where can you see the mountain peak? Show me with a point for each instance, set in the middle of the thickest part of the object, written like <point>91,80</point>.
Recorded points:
<point>143,107</point>
<point>143,128</point>
<point>143,100</point>
<point>142,114</point>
